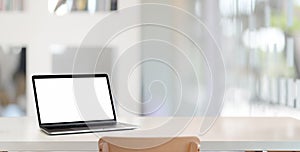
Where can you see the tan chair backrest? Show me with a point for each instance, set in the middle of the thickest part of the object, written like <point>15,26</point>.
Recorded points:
<point>128,144</point>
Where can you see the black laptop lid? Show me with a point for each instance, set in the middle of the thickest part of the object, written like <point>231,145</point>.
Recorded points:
<point>73,99</point>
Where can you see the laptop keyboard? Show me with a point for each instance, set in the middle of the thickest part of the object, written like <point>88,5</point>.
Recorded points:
<point>98,127</point>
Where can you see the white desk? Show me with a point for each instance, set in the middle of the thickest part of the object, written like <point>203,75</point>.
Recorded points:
<point>226,134</point>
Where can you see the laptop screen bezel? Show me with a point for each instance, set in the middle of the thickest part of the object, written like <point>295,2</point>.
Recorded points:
<point>73,123</point>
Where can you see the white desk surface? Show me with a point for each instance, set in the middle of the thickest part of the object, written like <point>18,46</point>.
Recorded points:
<point>243,133</point>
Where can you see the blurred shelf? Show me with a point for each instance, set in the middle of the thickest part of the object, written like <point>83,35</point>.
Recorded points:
<point>11,5</point>
<point>64,7</point>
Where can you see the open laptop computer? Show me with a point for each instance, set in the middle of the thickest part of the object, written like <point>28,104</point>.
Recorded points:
<point>77,103</point>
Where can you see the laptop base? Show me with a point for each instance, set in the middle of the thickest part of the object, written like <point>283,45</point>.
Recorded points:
<point>88,129</point>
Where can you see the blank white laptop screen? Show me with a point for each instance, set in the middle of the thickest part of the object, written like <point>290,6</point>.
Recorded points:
<point>72,99</point>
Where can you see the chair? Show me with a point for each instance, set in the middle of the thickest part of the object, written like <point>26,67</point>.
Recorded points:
<point>129,144</point>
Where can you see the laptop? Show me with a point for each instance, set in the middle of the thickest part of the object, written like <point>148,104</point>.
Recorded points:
<point>75,103</point>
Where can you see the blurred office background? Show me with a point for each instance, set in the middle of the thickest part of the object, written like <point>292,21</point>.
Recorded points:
<point>259,41</point>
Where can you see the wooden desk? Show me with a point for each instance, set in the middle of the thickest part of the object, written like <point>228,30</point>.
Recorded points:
<point>226,134</point>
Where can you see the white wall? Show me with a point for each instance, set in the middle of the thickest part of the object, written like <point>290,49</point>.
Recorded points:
<point>189,77</point>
